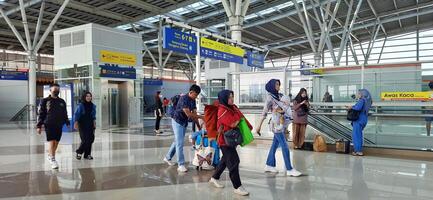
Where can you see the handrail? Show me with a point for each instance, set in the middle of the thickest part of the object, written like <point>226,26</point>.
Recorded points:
<point>19,113</point>
<point>370,114</point>
<point>343,104</point>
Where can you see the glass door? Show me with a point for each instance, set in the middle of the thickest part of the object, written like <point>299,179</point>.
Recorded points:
<point>113,105</point>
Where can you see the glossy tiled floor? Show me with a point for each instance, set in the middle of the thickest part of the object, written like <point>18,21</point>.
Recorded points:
<point>128,165</point>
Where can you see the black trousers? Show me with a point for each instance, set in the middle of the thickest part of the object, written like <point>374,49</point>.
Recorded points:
<point>229,160</point>
<point>87,136</point>
<point>157,121</point>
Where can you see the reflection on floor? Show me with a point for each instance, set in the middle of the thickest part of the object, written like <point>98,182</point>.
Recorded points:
<point>128,165</point>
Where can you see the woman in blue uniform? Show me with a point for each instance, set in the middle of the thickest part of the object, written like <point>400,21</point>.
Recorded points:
<point>363,105</point>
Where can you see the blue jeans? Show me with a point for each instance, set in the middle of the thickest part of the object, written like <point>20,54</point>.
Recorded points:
<point>177,145</point>
<point>279,140</point>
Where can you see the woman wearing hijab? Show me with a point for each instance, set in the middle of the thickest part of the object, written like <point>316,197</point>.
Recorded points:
<point>158,112</point>
<point>301,106</point>
<point>229,116</point>
<point>363,105</point>
<point>273,88</point>
<point>85,117</point>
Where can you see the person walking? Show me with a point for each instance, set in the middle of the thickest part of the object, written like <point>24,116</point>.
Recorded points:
<point>158,112</point>
<point>85,122</point>
<point>185,109</point>
<point>229,117</point>
<point>52,116</point>
<point>363,105</point>
<point>279,140</point>
<point>301,107</point>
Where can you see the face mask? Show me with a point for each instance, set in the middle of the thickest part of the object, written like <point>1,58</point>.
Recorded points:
<point>56,93</point>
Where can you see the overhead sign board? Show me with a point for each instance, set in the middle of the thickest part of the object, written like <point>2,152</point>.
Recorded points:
<point>119,58</point>
<point>152,81</point>
<point>14,75</point>
<point>220,51</point>
<point>179,41</point>
<point>255,59</point>
<point>110,71</point>
<point>406,96</point>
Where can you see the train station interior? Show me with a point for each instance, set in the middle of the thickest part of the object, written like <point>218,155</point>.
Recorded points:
<point>331,99</point>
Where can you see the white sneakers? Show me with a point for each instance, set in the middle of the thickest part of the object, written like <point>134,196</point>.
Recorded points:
<point>169,162</point>
<point>53,162</point>
<point>182,169</point>
<point>294,173</point>
<point>241,191</point>
<point>270,169</point>
<point>216,183</point>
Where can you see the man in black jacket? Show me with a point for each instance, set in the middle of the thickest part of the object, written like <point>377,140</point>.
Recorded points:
<point>53,115</point>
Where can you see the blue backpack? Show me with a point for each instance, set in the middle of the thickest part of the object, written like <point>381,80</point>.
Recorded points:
<point>172,107</point>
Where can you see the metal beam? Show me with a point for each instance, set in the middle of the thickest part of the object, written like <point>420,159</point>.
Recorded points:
<point>376,15</point>
<point>26,27</point>
<point>14,30</point>
<point>310,37</point>
<point>18,8</point>
<point>387,17</point>
<point>38,25</point>
<point>381,50</point>
<point>161,11</point>
<point>50,27</point>
<point>108,5</point>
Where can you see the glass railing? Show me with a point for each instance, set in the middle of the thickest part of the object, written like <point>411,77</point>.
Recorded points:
<point>401,125</point>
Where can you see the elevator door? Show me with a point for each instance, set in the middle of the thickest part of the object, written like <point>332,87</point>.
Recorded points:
<point>113,105</point>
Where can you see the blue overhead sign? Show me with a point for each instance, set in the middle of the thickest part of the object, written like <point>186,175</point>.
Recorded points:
<point>179,41</point>
<point>255,59</point>
<point>13,75</point>
<point>147,81</point>
<point>114,71</point>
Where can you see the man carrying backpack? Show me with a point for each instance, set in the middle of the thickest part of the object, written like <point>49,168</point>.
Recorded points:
<point>185,108</point>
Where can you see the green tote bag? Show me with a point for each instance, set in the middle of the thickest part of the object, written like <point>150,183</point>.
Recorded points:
<point>246,133</point>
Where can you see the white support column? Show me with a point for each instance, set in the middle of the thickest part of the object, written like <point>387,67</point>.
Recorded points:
<point>32,84</point>
<point>198,70</point>
<point>362,75</point>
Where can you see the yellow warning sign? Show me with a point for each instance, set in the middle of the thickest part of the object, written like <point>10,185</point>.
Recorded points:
<point>407,96</point>
<point>117,58</point>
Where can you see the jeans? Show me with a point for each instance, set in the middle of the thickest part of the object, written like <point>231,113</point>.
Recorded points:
<point>230,160</point>
<point>279,140</point>
<point>177,145</point>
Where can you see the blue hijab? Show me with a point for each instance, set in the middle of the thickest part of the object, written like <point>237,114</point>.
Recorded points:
<point>270,88</point>
<point>223,97</point>
<point>365,94</point>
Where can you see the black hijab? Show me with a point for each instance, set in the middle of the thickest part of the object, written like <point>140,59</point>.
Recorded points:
<point>223,97</point>
<point>300,99</point>
<point>88,106</point>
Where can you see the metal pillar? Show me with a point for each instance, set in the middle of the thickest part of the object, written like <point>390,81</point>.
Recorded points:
<point>198,71</point>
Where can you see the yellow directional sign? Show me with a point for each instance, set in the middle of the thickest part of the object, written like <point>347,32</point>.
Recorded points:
<point>407,96</point>
<point>224,48</point>
<point>117,58</point>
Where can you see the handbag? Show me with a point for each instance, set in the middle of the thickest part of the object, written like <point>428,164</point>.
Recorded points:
<point>342,146</point>
<point>301,113</point>
<point>319,144</point>
<point>203,156</point>
<point>233,137</point>
<point>353,115</point>
<point>247,135</point>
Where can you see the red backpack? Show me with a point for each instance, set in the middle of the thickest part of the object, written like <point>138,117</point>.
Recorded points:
<point>211,118</point>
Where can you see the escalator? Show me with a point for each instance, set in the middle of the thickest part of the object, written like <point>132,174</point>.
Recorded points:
<point>331,127</point>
